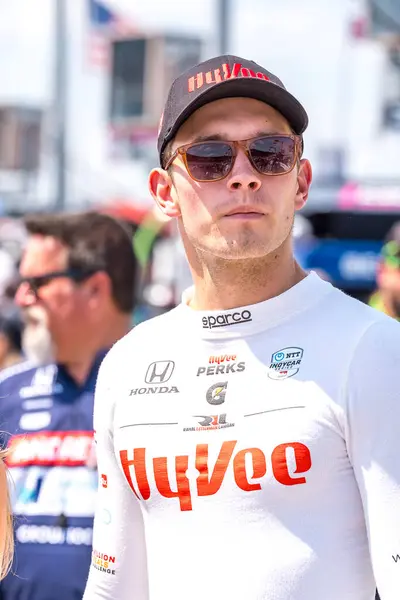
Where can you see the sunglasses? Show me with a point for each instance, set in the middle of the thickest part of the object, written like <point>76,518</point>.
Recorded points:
<point>39,281</point>
<point>214,160</point>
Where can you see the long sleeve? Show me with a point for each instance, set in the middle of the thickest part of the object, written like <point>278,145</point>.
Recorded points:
<point>373,421</point>
<point>118,568</point>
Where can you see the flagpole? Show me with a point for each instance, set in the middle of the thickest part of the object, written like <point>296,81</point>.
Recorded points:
<point>223,24</point>
<point>60,103</point>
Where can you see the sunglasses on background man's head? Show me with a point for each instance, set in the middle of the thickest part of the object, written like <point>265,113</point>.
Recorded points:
<point>214,160</point>
<point>37,282</point>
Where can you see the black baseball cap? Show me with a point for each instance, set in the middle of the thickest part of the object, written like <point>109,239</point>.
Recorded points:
<point>225,77</point>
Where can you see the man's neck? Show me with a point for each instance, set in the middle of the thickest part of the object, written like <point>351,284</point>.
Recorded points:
<point>232,283</point>
<point>11,359</point>
<point>79,368</point>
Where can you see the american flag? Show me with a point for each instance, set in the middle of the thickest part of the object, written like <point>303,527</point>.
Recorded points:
<point>104,25</point>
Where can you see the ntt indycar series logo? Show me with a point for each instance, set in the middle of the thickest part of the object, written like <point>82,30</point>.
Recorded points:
<point>226,319</point>
<point>285,363</point>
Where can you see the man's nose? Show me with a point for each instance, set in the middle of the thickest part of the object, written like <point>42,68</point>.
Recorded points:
<point>24,295</point>
<point>243,175</point>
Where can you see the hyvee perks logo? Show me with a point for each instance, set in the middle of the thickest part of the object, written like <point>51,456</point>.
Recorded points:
<point>249,468</point>
<point>104,481</point>
<point>226,319</point>
<point>216,393</point>
<point>157,373</point>
<point>222,365</point>
<point>285,363</point>
<point>209,423</point>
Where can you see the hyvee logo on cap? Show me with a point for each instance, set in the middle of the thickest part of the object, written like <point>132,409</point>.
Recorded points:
<point>222,74</point>
<point>226,319</point>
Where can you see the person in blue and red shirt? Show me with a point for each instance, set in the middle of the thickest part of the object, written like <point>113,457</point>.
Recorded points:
<point>78,276</point>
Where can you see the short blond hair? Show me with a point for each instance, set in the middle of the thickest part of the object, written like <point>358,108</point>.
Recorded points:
<point>8,534</point>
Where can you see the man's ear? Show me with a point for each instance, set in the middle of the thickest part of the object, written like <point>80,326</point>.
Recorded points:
<point>97,288</point>
<point>304,178</point>
<point>162,190</point>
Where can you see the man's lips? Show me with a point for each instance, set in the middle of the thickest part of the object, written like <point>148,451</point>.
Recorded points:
<point>245,212</point>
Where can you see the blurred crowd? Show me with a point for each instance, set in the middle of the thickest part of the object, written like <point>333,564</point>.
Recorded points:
<point>163,275</point>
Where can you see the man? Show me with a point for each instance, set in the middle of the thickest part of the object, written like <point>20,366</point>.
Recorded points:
<point>387,296</point>
<point>78,272</point>
<point>246,437</point>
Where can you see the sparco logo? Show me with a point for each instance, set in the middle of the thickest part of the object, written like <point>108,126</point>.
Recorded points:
<point>226,319</point>
<point>160,372</point>
<point>216,393</point>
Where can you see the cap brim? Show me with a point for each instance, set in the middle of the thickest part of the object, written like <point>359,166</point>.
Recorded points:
<point>244,87</point>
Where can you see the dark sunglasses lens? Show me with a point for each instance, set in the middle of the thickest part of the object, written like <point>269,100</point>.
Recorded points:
<point>209,161</point>
<point>273,155</point>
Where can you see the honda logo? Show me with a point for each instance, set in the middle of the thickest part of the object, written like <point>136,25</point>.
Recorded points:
<point>160,372</point>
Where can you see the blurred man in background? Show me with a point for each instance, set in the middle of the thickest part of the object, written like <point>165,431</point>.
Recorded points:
<point>387,297</point>
<point>77,297</point>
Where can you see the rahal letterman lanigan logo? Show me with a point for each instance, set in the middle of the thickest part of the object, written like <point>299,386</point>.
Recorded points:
<point>209,423</point>
<point>285,363</point>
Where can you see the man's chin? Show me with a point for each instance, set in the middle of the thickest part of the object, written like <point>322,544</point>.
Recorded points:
<point>239,253</point>
<point>38,346</point>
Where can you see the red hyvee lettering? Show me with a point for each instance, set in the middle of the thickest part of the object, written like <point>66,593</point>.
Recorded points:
<point>222,74</point>
<point>222,358</point>
<point>209,483</point>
